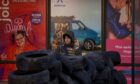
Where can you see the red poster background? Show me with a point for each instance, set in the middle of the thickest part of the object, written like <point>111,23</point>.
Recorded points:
<point>29,15</point>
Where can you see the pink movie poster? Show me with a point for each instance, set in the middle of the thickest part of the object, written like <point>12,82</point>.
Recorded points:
<point>119,28</point>
<point>22,29</point>
<point>119,33</point>
<point>137,42</point>
<point>137,32</point>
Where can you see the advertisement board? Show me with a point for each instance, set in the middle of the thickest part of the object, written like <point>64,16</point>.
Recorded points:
<point>137,42</point>
<point>118,24</point>
<point>22,29</point>
<point>82,17</point>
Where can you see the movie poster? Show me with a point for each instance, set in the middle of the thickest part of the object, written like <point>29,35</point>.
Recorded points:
<point>82,17</point>
<point>137,32</point>
<point>137,42</point>
<point>22,29</point>
<point>119,28</point>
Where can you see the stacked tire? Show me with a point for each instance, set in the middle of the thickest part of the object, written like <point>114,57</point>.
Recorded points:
<point>45,67</point>
<point>105,62</point>
<point>35,67</point>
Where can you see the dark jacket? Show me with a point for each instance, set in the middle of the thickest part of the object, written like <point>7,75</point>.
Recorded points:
<point>69,49</point>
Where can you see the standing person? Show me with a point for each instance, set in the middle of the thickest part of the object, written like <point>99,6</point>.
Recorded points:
<point>20,44</point>
<point>69,47</point>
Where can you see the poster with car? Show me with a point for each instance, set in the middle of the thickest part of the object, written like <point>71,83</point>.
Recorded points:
<point>118,31</point>
<point>82,17</point>
<point>22,29</point>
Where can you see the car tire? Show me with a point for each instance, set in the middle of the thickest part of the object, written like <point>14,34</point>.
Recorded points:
<point>102,56</point>
<point>55,69</point>
<point>118,77</point>
<point>90,68</point>
<point>75,81</point>
<point>96,58</point>
<point>115,57</point>
<point>35,61</point>
<point>54,81</point>
<point>100,82</point>
<point>105,75</point>
<point>18,77</point>
<point>112,58</point>
<point>65,79</point>
<point>82,77</point>
<point>72,63</point>
<point>89,45</point>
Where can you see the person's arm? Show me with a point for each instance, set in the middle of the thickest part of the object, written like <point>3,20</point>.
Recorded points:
<point>77,48</point>
<point>78,51</point>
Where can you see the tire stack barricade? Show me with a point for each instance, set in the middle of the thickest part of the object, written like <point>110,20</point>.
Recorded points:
<point>46,67</point>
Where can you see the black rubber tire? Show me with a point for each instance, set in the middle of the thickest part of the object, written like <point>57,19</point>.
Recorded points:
<point>118,77</point>
<point>56,69</point>
<point>72,63</point>
<point>65,79</point>
<point>75,81</point>
<point>97,59</point>
<point>90,68</point>
<point>54,81</point>
<point>100,55</point>
<point>104,75</point>
<point>18,77</point>
<point>100,82</point>
<point>82,77</point>
<point>34,61</point>
<point>115,57</point>
<point>108,61</point>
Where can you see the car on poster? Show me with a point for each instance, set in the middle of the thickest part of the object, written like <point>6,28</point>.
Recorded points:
<point>88,38</point>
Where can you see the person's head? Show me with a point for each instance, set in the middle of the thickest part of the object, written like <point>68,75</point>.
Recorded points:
<point>19,38</point>
<point>68,38</point>
<point>118,4</point>
<point>122,3</point>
